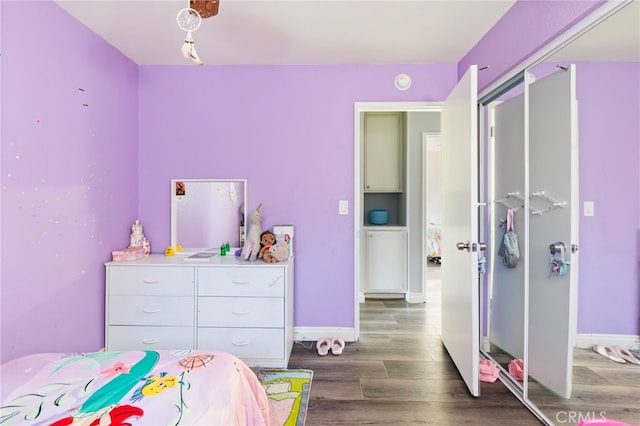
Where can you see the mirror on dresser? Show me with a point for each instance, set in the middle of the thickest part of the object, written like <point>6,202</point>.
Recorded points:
<point>206,213</point>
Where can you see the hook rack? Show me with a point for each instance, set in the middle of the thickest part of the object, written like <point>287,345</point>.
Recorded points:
<point>551,203</point>
<point>513,200</point>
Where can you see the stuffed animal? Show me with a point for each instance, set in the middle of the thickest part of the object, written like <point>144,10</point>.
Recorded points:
<point>267,239</point>
<point>279,252</point>
<point>252,243</point>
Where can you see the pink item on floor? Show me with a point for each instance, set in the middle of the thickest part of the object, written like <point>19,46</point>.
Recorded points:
<point>488,371</point>
<point>604,422</point>
<point>516,369</point>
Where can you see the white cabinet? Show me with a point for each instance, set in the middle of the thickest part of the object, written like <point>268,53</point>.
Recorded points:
<point>383,151</point>
<point>240,307</point>
<point>385,261</point>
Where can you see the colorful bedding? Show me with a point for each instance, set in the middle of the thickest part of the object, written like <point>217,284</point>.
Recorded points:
<point>131,388</point>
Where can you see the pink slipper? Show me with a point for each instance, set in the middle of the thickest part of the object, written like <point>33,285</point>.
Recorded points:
<point>625,354</point>
<point>337,345</point>
<point>323,345</point>
<point>516,369</point>
<point>488,371</point>
<point>608,352</point>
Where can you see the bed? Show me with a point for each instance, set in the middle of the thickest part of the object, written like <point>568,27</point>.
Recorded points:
<point>131,387</point>
<point>434,242</point>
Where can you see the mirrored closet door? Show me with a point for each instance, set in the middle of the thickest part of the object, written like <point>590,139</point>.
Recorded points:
<point>533,153</point>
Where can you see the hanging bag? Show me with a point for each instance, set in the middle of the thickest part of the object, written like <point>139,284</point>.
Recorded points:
<point>510,249</point>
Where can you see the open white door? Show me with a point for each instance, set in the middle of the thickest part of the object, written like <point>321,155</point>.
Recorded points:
<point>460,289</point>
<point>553,186</point>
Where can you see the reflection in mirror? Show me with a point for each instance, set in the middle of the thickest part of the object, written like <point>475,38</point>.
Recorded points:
<point>207,213</point>
<point>607,67</point>
<point>505,328</point>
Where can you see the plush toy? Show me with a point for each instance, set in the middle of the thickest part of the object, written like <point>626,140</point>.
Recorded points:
<point>267,239</point>
<point>279,252</point>
<point>252,243</point>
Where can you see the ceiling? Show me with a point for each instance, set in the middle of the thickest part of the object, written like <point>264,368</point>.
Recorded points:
<point>283,32</point>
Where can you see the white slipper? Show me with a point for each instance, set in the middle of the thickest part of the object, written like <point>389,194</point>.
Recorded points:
<point>625,354</point>
<point>323,345</point>
<point>337,345</point>
<point>608,352</point>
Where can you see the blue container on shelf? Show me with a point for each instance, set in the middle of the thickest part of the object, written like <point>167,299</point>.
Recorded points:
<point>378,216</point>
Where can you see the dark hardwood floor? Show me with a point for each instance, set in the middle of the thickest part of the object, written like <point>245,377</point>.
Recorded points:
<point>400,374</point>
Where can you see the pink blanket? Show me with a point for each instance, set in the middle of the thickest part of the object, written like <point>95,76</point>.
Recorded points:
<point>134,387</point>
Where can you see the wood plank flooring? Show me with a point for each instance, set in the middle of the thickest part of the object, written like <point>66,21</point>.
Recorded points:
<point>400,374</point>
<point>601,389</point>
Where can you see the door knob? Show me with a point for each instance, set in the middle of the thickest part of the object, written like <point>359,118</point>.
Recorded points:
<point>463,246</point>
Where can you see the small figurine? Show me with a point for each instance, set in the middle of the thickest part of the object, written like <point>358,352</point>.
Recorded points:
<point>146,245</point>
<point>137,237</point>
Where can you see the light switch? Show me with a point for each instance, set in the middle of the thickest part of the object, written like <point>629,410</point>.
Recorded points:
<point>588,208</point>
<point>343,207</point>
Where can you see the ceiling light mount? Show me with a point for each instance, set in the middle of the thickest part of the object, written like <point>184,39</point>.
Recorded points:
<point>206,8</point>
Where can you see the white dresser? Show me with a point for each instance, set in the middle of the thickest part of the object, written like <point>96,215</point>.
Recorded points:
<point>244,308</point>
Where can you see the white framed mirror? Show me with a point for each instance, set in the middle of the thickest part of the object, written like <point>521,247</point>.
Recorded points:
<point>206,213</point>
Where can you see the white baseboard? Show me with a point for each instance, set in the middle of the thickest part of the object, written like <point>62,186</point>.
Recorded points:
<point>586,341</point>
<point>415,298</point>
<point>485,344</point>
<point>306,334</point>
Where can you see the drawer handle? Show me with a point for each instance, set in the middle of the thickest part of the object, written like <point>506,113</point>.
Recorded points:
<point>151,281</point>
<point>151,311</point>
<point>150,341</point>
<point>241,343</point>
<point>240,282</point>
<point>240,313</point>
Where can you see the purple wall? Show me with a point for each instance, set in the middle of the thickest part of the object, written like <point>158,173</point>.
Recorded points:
<point>289,130</point>
<point>69,172</point>
<point>523,30</point>
<point>69,176</point>
<point>609,132</point>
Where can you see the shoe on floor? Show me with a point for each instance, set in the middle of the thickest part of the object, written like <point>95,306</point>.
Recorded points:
<point>323,345</point>
<point>625,354</point>
<point>608,352</point>
<point>337,345</point>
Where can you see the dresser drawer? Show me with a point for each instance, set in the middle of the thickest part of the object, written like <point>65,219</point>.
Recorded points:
<point>127,338</point>
<point>240,312</point>
<point>155,280</point>
<point>253,281</point>
<point>151,310</point>
<point>265,343</point>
